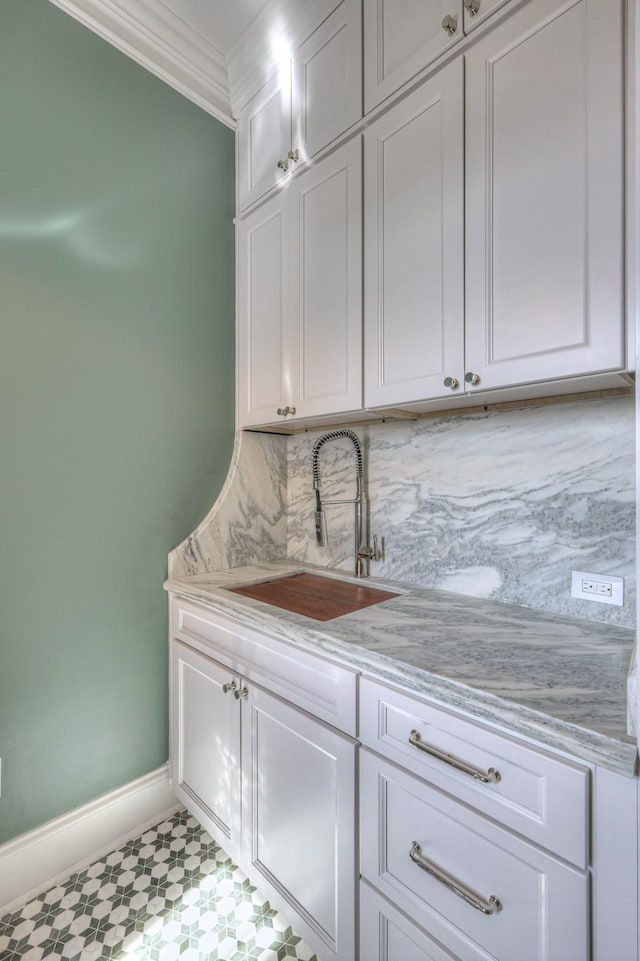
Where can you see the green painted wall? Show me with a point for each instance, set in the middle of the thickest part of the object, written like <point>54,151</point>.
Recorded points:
<point>116,398</point>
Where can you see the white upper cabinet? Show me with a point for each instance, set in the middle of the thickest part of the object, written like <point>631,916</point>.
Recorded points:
<point>544,195</point>
<point>326,282</point>
<point>299,320</point>
<point>401,37</point>
<point>493,212</point>
<point>264,138</point>
<point>414,258</point>
<point>264,364</point>
<point>314,96</point>
<point>327,80</point>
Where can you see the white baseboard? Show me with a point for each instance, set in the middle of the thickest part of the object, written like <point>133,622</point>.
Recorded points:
<point>39,859</point>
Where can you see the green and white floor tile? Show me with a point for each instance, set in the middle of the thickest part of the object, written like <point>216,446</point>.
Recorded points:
<point>170,895</point>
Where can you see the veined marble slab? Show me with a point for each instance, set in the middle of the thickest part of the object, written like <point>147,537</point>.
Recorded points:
<point>558,680</point>
<point>248,521</point>
<point>503,504</point>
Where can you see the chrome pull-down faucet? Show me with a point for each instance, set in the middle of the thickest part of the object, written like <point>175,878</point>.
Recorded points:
<point>363,554</point>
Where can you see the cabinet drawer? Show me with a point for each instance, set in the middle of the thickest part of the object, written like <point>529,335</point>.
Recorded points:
<point>318,686</point>
<point>537,795</point>
<point>541,912</point>
<point>387,935</point>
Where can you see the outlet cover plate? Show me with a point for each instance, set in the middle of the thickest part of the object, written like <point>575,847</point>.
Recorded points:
<point>601,588</point>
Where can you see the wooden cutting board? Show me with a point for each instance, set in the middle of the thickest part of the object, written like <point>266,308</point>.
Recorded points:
<point>320,598</point>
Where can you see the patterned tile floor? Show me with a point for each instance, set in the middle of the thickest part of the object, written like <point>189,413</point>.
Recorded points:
<point>170,895</point>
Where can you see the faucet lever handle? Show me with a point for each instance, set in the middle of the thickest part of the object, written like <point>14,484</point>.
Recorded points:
<point>378,552</point>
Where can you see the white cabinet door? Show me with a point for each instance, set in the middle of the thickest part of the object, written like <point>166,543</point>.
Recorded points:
<point>299,783</point>
<point>205,744</point>
<point>326,282</point>
<point>544,161</point>
<point>266,371</point>
<point>401,37</point>
<point>327,80</point>
<point>264,138</point>
<point>414,236</point>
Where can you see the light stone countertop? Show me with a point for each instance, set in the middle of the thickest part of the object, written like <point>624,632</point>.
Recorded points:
<point>558,680</point>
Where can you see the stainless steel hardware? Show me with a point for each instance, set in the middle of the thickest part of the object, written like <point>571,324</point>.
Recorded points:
<point>229,686</point>
<point>488,906</point>
<point>450,24</point>
<point>472,378</point>
<point>283,165</point>
<point>243,692</point>
<point>452,382</point>
<point>294,155</point>
<point>489,777</point>
<point>283,411</point>
<point>363,553</point>
<point>472,7</point>
<point>371,553</point>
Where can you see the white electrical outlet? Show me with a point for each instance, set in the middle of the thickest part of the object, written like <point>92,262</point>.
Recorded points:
<point>602,588</point>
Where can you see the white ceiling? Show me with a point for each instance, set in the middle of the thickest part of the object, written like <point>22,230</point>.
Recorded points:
<point>220,22</point>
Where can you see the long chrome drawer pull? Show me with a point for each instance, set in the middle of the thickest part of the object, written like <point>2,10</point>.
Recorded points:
<point>491,906</point>
<point>490,777</point>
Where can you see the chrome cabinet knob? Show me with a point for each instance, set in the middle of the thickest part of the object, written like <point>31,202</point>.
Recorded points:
<point>452,382</point>
<point>450,24</point>
<point>243,692</point>
<point>229,686</point>
<point>472,7</point>
<point>283,165</point>
<point>294,155</point>
<point>472,378</point>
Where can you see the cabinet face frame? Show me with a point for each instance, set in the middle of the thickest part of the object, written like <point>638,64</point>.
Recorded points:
<point>518,44</point>
<point>391,161</point>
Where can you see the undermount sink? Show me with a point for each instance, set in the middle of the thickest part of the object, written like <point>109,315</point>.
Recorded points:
<point>320,598</point>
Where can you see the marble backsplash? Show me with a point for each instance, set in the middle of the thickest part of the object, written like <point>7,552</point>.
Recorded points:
<point>247,523</point>
<point>502,504</point>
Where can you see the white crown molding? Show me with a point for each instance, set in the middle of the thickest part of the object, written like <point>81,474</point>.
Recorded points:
<point>149,33</point>
<point>278,26</point>
<point>39,859</point>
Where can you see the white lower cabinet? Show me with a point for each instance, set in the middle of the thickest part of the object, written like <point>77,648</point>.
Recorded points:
<point>474,845</point>
<point>274,786</point>
<point>205,744</point>
<point>478,889</point>
<point>299,782</point>
<point>388,935</point>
